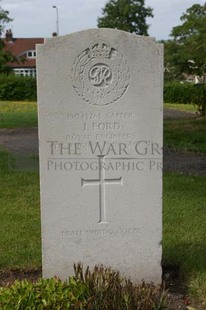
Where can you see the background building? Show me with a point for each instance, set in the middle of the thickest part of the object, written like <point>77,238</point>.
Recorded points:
<point>24,49</point>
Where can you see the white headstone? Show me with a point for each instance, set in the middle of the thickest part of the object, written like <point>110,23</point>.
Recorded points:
<point>100,135</point>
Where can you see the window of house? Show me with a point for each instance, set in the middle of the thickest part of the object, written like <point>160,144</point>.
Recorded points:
<point>25,72</point>
<point>31,54</point>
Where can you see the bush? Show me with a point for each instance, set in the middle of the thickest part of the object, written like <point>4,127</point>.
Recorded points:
<point>17,88</point>
<point>100,289</point>
<point>187,93</point>
<point>175,92</point>
<point>199,98</point>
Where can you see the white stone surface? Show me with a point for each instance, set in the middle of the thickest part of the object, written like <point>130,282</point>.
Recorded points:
<point>100,134</point>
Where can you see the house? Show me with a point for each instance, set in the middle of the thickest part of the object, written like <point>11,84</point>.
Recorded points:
<point>24,49</point>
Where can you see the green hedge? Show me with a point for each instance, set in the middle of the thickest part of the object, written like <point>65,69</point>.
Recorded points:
<point>17,88</point>
<point>187,93</point>
<point>175,92</point>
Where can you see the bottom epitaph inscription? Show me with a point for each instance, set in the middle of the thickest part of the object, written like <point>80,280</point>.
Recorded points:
<point>101,182</point>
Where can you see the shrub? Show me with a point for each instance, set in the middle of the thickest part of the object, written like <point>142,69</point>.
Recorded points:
<point>187,93</point>
<point>108,290</point>
<point>199,98</point>
<point>100,289</point>
<point>175,92</point>
<point>17,88</point>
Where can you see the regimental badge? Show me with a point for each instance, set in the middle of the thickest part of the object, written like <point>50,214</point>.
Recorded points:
<point>100,74</point>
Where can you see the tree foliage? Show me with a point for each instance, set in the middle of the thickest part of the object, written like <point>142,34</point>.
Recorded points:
<point>5,57</point>
<point>186,52</point>
<point>127,15</point>
<point>4,19</point>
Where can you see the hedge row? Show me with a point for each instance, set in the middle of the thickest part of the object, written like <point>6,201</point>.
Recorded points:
<point>20,88</point>
<point>176,92</point>
<point>187,93</point>
<point>17,88</point>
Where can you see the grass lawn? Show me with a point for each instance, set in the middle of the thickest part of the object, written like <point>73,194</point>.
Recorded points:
<point>19,213</point>
<point>177,134</point>
<point>181,107</point>
<point>184,225</point>
<point>20,220</point>
<point>18,114</point>
<point>184,214</point>
<point>184,233</point>
<point>186,135</point>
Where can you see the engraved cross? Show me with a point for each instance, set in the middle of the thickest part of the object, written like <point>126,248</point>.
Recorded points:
<point>101,182</point>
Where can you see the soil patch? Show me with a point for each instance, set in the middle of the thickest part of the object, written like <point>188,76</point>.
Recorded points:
<point>186,163</point>
<point>20,140</point>
<point>8,277</point>
<point>175,114</point>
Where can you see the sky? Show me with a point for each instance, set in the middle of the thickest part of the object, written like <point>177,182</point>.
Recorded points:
<point>37,18</point>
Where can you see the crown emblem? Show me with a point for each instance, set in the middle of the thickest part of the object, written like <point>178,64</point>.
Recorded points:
<point>100,73</point>
<point>100,50</point>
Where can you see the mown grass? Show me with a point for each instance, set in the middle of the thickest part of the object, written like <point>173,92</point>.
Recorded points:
<point>184,235</point>
<point>20,216</point>
<point>18,114</point>
<point>186,135</point>
<point>24,114</point>
<point>181,107</point>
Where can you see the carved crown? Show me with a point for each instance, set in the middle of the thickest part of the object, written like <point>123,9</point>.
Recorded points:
<point>100,50</point>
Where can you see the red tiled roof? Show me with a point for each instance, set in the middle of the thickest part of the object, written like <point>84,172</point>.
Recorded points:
<point>18,47</point>
<point>27,63</point>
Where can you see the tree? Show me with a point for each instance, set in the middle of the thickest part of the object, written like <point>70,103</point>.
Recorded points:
<point>4,19</point>
<point>127,15</point>
<point>186,52</point>
<point>5,56</point>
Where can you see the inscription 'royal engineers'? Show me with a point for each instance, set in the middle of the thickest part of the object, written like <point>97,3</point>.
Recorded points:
<point>100,74</point>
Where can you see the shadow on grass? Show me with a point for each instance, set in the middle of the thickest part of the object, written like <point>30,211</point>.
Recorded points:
<point>189,256</point>
<point>185,272</point>
<point>17,162</point>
